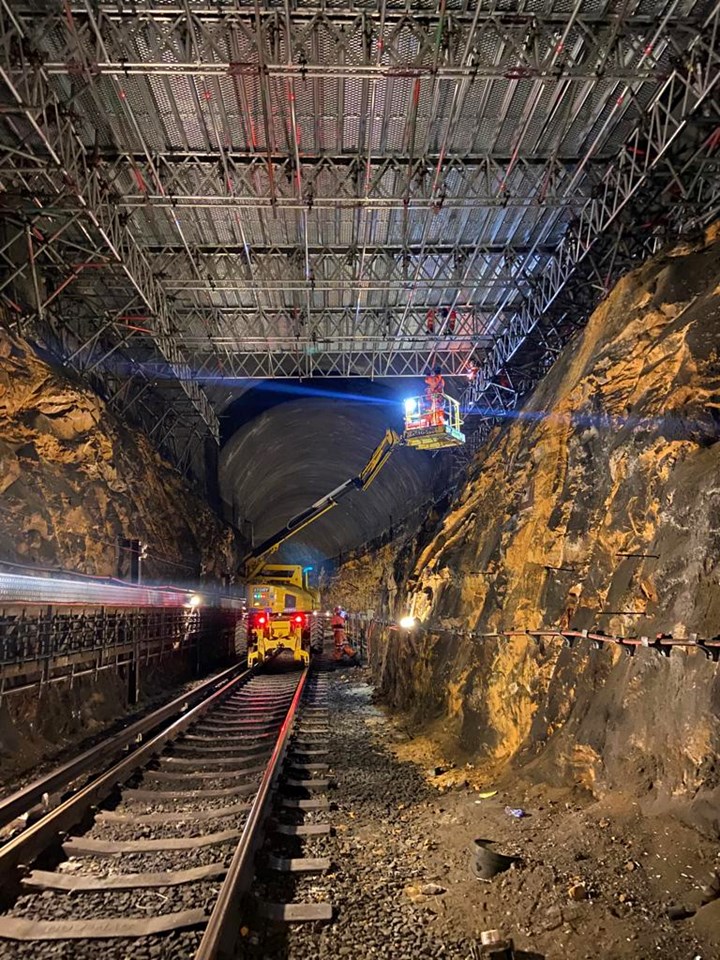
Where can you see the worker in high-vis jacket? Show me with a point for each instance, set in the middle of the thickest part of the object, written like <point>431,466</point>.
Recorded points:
<point>434,393</point>
<point>340,641</point>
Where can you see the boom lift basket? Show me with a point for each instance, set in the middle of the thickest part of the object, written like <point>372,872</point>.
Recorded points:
<point>431,424</point>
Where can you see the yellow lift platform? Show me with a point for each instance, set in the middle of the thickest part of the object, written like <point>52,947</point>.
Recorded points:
<point>432,424</point>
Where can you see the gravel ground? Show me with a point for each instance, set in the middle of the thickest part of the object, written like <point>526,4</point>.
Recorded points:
<point>182,805</point>
<point>323,846</point>
<point>173,946</point>
<point>306,816</point>
<point>227,746</point>
<point>150,862</point>
<point>400,880</point>
<point>57,905</point>
<point>595,878</point>
<point>182,784</point>
<point>156,831</point>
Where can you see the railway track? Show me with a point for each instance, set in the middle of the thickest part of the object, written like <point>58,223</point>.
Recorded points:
<point>167,861</point>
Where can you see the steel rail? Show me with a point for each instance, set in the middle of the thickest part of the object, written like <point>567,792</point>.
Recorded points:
<point>209,11</point>
<point>220,935</point>
<point>222,69</point>
<point>22,800</point>
<point>24,848</point>
<point>187,201</point>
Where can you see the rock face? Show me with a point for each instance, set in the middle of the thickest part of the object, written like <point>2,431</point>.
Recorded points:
<point>597,507</point>
<point>73,480</point>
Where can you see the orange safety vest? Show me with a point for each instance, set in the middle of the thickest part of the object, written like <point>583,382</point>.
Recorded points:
<point>436,384</point>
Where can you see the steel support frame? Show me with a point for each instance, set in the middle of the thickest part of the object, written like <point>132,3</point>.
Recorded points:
<point>385,267</point>
<point>683,93</point>
<point>332,182</point>
<point>339,328</point>
<point>94,356</point>
<point>133,395</point>
<point>351,361</point>
<point>73,170</point>
<point>364,43</point>
<point>81,337</point>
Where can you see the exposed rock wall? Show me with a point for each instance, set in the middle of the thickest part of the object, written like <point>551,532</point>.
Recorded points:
<point>73,479</point>
<point>616,453</point>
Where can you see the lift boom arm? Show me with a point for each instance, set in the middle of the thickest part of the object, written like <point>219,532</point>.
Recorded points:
<point>362,481</point>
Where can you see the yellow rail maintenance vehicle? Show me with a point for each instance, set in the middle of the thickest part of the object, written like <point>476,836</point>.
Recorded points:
<point>282,607</point>
<point>282,612</point>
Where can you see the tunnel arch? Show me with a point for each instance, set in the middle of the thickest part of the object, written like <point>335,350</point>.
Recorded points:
<point>285,445</point>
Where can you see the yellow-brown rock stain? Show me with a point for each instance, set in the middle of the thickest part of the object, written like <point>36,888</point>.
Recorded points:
<point>601,462</point>
<point>73,480</point>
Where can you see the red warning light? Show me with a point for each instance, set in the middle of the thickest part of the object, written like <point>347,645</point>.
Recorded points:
<point>262,620</point>
<point>299,618</point>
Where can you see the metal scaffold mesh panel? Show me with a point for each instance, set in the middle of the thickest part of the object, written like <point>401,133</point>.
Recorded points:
<point>194,195</point>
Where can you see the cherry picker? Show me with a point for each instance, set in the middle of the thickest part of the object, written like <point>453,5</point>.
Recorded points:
<point>282,606</point>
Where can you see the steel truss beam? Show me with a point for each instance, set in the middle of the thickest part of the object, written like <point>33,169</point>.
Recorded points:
<point>244,329</point>
<point>399,161</point>
<point>459,252</point>
<point>684,91</point>
<point>388,183</point>
<point>365,43</point>
<point>431,269</point>
<point>347,362</point>
<point>199,182</point>
<point>73,173</point>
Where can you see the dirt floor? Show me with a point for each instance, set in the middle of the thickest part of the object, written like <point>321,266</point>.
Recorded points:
<point>593,879</point>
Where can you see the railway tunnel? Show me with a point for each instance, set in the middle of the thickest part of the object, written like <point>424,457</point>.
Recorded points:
<point>359,393</point>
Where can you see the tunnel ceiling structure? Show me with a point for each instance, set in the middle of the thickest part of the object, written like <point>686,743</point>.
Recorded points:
<point>198,193</point>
